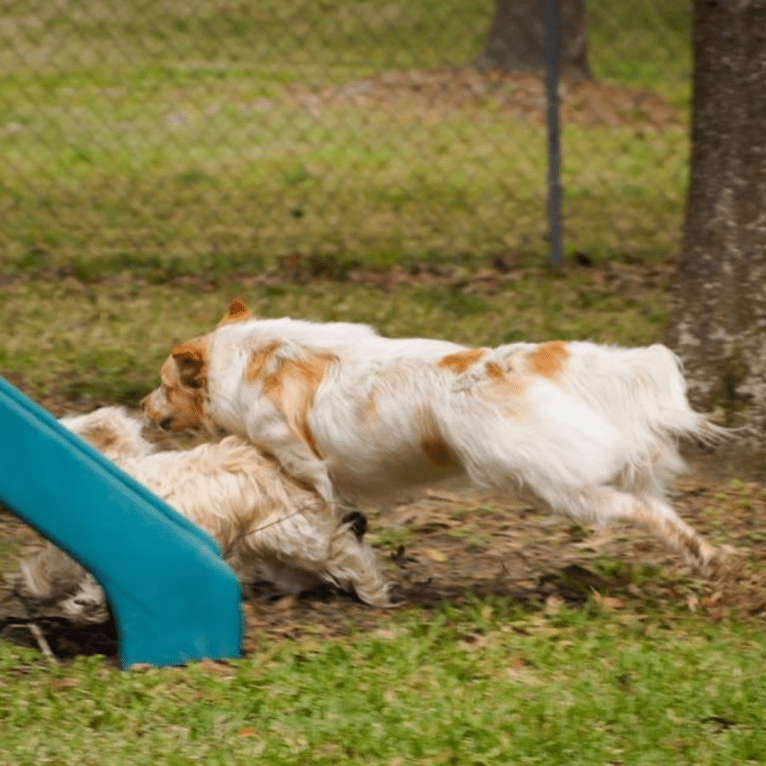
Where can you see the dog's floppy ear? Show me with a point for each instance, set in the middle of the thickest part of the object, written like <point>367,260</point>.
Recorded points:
<point>238,311</point>
<point>190,358</point>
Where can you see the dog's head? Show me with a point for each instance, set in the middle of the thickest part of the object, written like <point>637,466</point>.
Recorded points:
<point>181,400</point>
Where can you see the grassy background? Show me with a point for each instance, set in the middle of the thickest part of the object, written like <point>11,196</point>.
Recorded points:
<point>180,138</point>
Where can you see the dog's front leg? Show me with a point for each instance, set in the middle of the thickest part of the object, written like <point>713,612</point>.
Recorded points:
<point>293,448</point>
<point>304,466</point>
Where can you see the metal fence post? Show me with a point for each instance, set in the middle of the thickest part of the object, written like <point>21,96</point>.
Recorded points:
<point>552,56</point>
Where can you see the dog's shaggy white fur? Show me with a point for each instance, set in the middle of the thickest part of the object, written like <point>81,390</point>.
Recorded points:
<point>590,430</point>
<point>268,525</point>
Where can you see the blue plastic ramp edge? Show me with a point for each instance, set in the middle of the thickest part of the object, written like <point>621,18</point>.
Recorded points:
<point>173,598</point>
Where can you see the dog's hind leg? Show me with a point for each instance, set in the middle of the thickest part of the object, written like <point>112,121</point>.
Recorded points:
<point>656,516</point>
<point>603,504</point>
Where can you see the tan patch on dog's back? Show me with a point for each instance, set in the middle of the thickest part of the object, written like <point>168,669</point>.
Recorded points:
<point>432,441</point>
<point>460,361</point>
<point>292,388</point>
<point>256,368</point>
<point>368,409</point>
<point>549,359</point>
<point>505,390</point>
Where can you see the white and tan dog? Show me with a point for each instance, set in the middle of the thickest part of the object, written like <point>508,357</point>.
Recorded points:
<point>268,525</point>
<point>589,430</point>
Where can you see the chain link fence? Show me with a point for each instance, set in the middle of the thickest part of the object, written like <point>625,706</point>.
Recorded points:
<point>174,136</point>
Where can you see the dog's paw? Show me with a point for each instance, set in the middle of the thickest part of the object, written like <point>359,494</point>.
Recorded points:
<point>727,562</point>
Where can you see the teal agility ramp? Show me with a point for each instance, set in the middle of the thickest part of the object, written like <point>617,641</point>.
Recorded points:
<point>173,598</point>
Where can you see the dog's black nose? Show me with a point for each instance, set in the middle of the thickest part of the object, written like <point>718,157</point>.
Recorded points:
<point>166,424</point>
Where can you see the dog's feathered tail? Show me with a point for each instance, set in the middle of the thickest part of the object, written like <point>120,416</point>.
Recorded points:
<point>643,392</point>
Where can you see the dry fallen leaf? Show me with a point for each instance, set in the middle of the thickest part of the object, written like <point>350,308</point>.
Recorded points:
<point>285,604</point>
<point>607,602</point>
<point>553,604</point>
<point>692,602</point>
<point>434,554</point>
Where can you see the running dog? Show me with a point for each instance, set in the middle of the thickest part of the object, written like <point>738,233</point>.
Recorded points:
<point>590,430</point>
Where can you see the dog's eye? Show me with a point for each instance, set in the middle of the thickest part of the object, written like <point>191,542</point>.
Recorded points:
<point>194,384</point>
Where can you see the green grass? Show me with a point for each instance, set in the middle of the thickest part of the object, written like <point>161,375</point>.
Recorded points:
<point>644,44</point>
<point>163,135</point>
<point>392,196</point>
<point>484,685</point>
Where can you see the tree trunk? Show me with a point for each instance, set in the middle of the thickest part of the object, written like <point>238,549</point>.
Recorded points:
<point>719,312</point>
<point>516,38</point>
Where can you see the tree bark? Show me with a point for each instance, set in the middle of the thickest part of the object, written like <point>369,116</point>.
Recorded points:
<point>516,38</point>
<point>718,324</point>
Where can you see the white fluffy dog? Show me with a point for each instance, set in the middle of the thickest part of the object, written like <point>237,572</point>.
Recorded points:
<point>268,525</point>
<point>589,430</point>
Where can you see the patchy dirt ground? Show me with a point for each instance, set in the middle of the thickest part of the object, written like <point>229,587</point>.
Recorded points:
<point>520,95</point>
<point>451,547</point>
